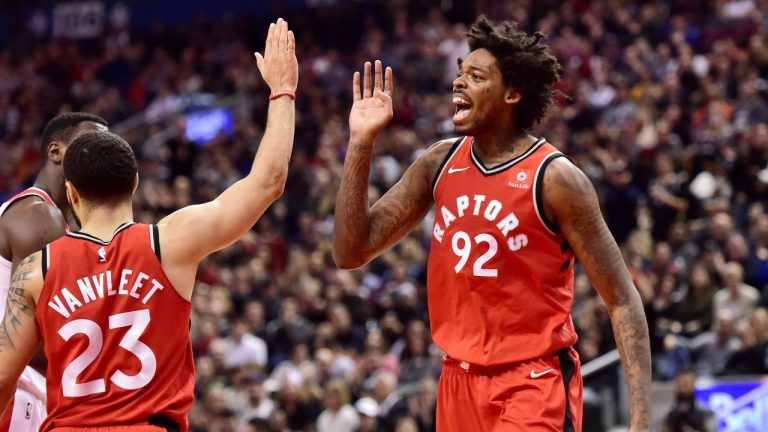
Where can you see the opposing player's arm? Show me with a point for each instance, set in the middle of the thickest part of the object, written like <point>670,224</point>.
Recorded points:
<point>29,225</point>
<point>19,336</point>
<point>362,233</point>
<point>571,203</point>
<point>191,233</point>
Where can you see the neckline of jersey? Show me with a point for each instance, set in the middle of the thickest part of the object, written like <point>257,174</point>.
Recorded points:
<point>505,165</point>
<point>88,237</point>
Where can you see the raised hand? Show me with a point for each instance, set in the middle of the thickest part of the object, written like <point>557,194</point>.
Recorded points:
<point>278,65</point>
<point>372,108</point>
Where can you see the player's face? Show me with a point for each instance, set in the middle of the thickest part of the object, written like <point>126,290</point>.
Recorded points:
<point>478,93</point>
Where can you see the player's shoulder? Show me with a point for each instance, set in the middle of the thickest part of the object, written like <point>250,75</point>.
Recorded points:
<point>436,153</point>
<point>28,221</point>
<point>32,211</point>
<point>563,181</point>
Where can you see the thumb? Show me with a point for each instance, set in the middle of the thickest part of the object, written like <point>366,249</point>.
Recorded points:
<point>259,62</point>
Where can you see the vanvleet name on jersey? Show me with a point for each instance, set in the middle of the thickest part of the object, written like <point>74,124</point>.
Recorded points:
<point>126,282</point>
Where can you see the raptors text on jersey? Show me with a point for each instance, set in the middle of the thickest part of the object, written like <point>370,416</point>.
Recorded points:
<point>500,276</point>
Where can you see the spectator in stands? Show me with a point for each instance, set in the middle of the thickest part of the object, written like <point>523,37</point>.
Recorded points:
<point>736,297</point>
<point>242,348</point>
<point>339,415</point>
<point>287,331</point>
<point>368,410</point>
<point>692,314</point>
<point>713,349</point>
<point>687,414</point>
<point>751,358</point>
<point>260,406</point>
<point>415,362</point>
<point>667,196</point>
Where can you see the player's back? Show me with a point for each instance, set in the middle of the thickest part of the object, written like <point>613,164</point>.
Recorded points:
<point>115,332</point>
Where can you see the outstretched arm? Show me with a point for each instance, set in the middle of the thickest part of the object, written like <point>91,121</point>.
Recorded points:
<point>19,337</point>
<point>362,233</point>
<point>190,234</point>
<point>571,202</point>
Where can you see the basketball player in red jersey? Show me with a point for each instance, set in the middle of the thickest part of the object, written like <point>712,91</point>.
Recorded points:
<point>511,216</point>
<point>111,302</point>
<point>29,221</point>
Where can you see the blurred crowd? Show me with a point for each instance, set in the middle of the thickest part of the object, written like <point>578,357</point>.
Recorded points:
<point>664,104</point>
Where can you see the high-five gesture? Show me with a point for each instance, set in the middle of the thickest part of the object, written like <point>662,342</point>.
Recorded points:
<point>221,222</point>
<point>372,108</point>
<point>278,65</point>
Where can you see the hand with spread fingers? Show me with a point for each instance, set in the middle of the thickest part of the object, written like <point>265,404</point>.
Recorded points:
<point>372,107</point>
<point>278,65</point>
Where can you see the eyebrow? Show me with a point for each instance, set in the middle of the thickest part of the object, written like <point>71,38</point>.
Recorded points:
<point>481,68</point>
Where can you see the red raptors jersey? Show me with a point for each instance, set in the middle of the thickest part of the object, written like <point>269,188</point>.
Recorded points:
<point>115,332</point>
<point>500,276</point>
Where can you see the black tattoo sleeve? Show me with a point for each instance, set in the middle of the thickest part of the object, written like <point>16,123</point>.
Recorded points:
<point>18,304</point>
<point>572,199</point>
<point>362,232</point>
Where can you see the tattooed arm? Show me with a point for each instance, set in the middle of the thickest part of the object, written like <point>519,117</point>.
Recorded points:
<point>362,233</point>
<point>18,331</point>
<point>570,201</point>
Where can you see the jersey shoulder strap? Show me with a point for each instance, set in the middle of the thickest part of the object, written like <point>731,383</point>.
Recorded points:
<point>33,191</point>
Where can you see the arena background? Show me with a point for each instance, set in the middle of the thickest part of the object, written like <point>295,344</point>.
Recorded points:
<point>664,105</point>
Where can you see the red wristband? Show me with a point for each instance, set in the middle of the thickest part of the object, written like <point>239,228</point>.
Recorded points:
<point>277,94</point>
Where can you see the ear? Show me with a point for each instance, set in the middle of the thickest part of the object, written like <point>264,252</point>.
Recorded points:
<point>55,152</point>
<point>72,195</point>
<point>135,184</point>
<point>512,96</point>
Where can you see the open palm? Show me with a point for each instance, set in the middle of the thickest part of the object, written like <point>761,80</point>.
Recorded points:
<point>372,107</point>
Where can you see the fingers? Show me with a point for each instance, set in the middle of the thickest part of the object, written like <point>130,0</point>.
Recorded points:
<point>378,82</point>
<point>282,41</point>
<point>388,82</point>
<point>291,43</point>
<point>367,81</point>
<point>356,87</point>
<point>274,40</point>
<point>270,38</point>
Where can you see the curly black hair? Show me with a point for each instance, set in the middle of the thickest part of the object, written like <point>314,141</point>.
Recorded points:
<point>102,167</point>
<point>525,62</point>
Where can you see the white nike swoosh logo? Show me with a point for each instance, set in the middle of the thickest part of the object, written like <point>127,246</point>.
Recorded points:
<point>452,170</point>
<point>542,373</point>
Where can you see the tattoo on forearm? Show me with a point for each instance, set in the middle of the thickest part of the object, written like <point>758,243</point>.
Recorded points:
<point>631,330</point>
<point>352,201</point>
<point>588,219</point>
<point>602,258</point>
<point>368,231</point>
<point>18,304</point>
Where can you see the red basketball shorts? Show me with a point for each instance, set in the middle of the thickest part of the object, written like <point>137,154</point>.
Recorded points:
<point>534,396</point>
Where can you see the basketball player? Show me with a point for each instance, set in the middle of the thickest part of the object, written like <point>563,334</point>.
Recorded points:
<point>511,215</point>
<point>29,221</point>
<point>111,302</point>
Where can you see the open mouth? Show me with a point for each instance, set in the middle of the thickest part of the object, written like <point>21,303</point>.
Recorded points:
<point>463,107</point>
